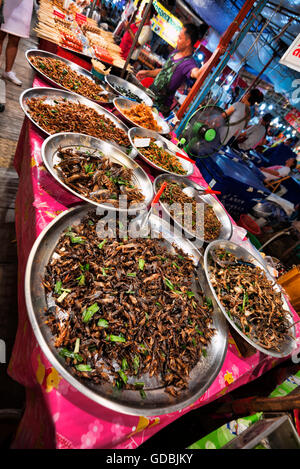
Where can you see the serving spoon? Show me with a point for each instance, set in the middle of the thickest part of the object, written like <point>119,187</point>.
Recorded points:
<point>140,223</point>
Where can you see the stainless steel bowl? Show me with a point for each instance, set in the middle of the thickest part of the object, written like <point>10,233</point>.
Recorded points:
<point>143,133</point>
<point>123,103</point>
<point>157,401</point>
<point>76,68</point>
<point>87,143</point>
<point>54,94</point>
<point>113,81</point>
<point>289,344</point>
<point>220,212</point>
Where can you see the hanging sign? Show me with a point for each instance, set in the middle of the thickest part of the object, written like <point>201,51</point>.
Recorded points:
<point>166,25</point>
<point>291,58</point>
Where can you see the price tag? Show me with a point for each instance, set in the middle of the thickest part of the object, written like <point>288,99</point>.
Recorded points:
<point>142,142</point>
<point>80,18</point>
<point>57,13</point>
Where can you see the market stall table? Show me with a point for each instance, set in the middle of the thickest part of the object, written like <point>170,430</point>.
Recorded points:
<point>56,414</point>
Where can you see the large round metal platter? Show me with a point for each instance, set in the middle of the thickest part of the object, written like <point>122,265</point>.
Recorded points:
<point>91,145</point>
<point>220,212</point>
<point>124,103</point>
<point>157,401</point>
<point>76,68</point>
<point>115,82</point>
<point>137,132</point>
<point>52,94</point>
<point>289,344</point>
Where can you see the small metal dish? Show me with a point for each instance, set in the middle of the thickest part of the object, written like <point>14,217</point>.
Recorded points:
<point>123,103</point>
<point>220,212</point>
<point>113,81</point>
<point>143,133</point>
<point>289,344</point>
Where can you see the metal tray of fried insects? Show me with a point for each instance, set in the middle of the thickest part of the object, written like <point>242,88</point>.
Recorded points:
<point>88,145</point>
<point>289,344</point>
<point>124,104</point>
<point>116,84</point>
<point>53,94</point>
<point>32,53</point>
<point>220,212</point>
<point>157,401</point>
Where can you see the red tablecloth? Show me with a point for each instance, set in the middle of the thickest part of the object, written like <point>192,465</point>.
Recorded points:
<point>57,415</point>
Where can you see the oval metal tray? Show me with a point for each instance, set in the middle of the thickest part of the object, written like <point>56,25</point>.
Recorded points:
<point>123,103</point>
<point>76,68</point>
<point>128,401</point>
<point>289,344</point>
<point>220,212</point>
<point>53,94</point>
<point>113,81</point>
<point>143,133</point>
<point>72,140</point>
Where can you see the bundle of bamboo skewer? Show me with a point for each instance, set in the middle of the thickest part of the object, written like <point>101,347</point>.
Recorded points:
<point>46,27</point>
<point>54,29</point>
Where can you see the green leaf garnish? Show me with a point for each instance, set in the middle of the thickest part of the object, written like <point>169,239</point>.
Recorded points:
<point>89,312</point>
<point>83,368</point>
<point>116,338</point>
<point>102,323</point>
<point>100,245</point>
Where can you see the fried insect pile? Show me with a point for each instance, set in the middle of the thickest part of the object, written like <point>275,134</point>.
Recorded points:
<point>62,74</point>
<point>127,93</point>
<point>142,115</point>
<point>69,116</point>
<point>250,300</point>
<point>174,194</point>
<point>96,178</point>
<point>162,158</point>
<point>125,309</point>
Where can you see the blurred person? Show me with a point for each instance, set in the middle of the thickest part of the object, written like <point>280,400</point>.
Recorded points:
<point>131,30</point>
<point>254,135</point>
<point>279,154</point>
<point>96,15</point>
<point>179,66</point>
<point>278,171</point>
<point>126,16</point>
<point>82,4</point>
<point>235,93</point>
<point>238,115</point>
<point>17,18</point>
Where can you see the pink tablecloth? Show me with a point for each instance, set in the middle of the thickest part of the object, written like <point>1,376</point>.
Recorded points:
<point>57,415</point>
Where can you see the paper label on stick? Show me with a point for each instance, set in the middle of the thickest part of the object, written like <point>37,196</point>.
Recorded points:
<point>142,142</point>
<point>59,14</point>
